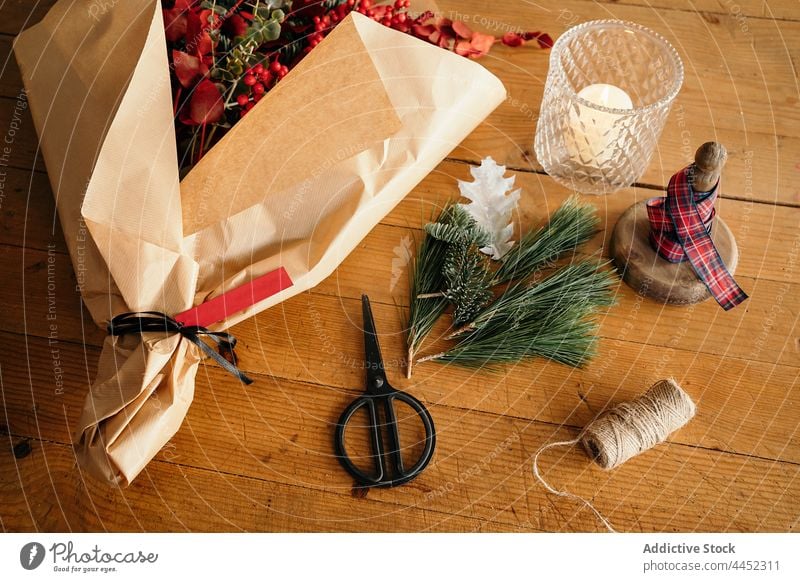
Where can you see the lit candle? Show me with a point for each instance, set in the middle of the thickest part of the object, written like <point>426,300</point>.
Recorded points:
<point>593,131</point>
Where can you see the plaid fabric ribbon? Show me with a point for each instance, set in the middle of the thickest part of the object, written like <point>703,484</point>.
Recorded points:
<point>680,229</point>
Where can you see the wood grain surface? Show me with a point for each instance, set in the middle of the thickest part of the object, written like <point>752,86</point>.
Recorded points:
<point>260,458</point>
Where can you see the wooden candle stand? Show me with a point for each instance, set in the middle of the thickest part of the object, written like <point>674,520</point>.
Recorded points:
<point>651,275</point>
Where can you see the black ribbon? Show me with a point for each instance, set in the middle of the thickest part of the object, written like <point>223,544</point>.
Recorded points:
<point>144,321</point>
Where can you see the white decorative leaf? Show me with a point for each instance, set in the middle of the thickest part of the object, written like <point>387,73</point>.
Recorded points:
<point>402,257</point>
<point>491,204</point>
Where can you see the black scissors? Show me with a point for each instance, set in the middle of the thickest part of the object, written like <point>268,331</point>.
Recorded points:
<point>389,468</point>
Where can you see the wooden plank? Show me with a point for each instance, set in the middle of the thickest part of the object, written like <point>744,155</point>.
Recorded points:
<point>282,431</point>
<point>20,14</point>
<point>27,211</point>
<point>39,284</point>
<point>10,78</point>
<point>47,492</point>
<point>741,10</point>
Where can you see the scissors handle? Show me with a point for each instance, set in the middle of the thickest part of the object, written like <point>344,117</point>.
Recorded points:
<point>389,469</point>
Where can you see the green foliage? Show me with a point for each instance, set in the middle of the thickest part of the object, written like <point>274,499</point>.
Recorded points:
<point>467,278</point>
<point>565,334</point>
<point>580,282</point>
<point>549,317</point>
<point>570,226</point>
<point>242,52</point>
<point>427,279</point>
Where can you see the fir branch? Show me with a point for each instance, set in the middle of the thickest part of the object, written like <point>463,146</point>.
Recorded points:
<point>550,319</point>
<point>427,301</point>
<point>467,276</point>
<point>566,335</point>
<point>584,281</point>
<point>448,268</point>
<point>570,226</point>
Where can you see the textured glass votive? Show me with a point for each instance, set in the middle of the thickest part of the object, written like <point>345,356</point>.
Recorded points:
<point>607,96</point>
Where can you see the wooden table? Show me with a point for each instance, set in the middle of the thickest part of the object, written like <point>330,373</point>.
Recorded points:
<point>260,459</point>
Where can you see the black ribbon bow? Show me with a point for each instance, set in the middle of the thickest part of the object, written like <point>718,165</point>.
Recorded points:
<point>144,321</point>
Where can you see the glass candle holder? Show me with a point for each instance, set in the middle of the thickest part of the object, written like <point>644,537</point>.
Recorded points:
<point>607,97</point>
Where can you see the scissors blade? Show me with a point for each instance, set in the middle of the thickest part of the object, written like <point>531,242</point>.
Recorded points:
<point>376,375</point>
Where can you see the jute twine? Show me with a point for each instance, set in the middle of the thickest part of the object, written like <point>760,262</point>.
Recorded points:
<point>628,429</point>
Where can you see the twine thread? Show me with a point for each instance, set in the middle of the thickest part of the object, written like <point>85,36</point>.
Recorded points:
<point>627,430</point>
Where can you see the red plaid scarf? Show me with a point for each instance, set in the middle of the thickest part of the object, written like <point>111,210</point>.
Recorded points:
<point>680,227</point>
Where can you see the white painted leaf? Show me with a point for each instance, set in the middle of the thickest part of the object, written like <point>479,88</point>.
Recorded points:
<point>491,204</point>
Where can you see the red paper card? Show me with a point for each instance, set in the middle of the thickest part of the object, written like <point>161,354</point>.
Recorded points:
<point>237,299</point>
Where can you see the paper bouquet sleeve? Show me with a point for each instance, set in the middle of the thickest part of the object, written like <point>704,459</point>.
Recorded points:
<point>295,185</point>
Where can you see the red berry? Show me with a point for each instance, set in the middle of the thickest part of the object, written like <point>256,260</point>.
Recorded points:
<point>275,66</point>
<point>258,69</point>
<point>258,89</point>
<point>265,77</point>
<point>249,79</point>
<point>242,100</point>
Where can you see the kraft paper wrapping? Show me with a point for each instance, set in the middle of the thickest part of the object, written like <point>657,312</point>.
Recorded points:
<point>297,184</point>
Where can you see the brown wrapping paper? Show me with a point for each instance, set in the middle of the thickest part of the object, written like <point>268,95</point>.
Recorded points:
<point>298,183</point>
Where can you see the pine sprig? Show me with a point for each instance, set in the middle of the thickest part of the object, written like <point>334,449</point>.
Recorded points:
<point>467,276</point>
<point>580,282</point>
<point>567,335</point>
<point>551,319</point>
<point>569,227</point>
<point>427,301</point>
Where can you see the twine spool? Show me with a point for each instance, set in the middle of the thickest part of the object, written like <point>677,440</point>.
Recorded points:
<point>631,428</point>
<point>628,429</point>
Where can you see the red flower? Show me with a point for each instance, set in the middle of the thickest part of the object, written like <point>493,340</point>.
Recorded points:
<point>206,104</point>
<point>188,68</point>
<point>234,26</point>
<point>175,20</point>
<point>198,41</point>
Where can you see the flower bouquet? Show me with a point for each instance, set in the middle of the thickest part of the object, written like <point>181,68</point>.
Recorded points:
<point>244,200</point>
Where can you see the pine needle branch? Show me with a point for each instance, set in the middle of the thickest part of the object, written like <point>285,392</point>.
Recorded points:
<point>583,281</point>
<point>427,301</point>
<point>570,226</point>
<point>551,319</point>
<point>566,335</point>
<point>468,279</point>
